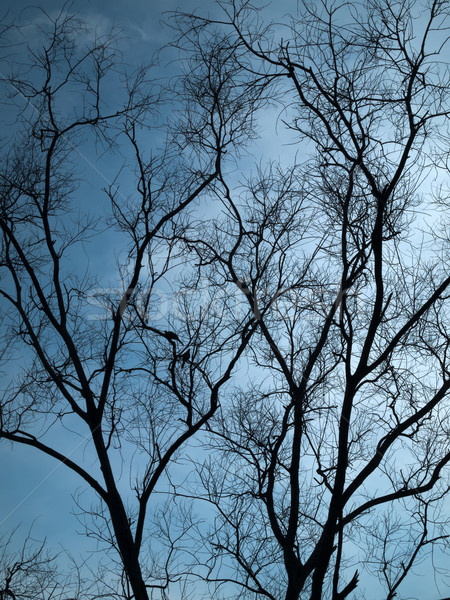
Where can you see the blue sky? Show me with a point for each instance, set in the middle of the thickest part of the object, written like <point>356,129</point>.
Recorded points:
<point>37,492</point>
<point>34,488</point>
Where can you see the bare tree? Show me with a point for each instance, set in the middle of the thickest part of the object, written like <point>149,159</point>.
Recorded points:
<point>133,385</point>
<point>28,573</point>
<point>339,437</point>
<point>316,281</point>
<point>32,573</point>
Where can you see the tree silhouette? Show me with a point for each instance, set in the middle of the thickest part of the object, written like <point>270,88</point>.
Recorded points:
<point>321,283</point>
<point>126,387</point>
<point>339,437</point>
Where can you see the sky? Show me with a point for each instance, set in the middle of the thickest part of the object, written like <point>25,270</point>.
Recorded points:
<point>37,494</point>
<point>35,490</point>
